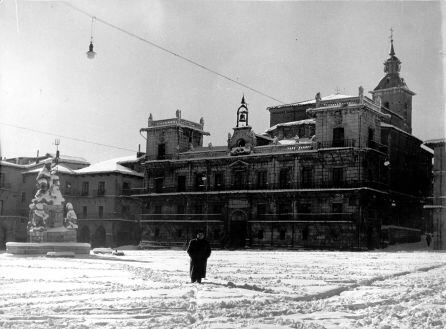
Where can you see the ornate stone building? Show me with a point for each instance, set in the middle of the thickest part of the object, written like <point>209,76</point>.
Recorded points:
<point>338,172</point>
<point>436,205</point>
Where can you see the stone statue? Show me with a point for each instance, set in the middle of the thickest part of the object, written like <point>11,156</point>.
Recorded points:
<point>71,219</point>
<point>46,220</point>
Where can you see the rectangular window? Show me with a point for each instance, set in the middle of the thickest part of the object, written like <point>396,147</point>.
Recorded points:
<point>307,177</point>
<point>217,208</point>
<point>198,209</point>
<point>161,151</point>
<point>219,181</point>
<point>125,188</point>
<point>2,180</point>
<point>180,209</point>
<point>85,188</point>
<point>336,207</point>
<point>285,211</point>
<point>260,234</point>
<point>284,178</point>
<point>304,208</point>
<point>261,209</point>
<point>239,180</point>
<point>200,181</point>
<point>125,210</point>
<point>371,135</point>
<point>338,137</point>
<point>101,188</point>
<point>68,188</point>
<point>261,179</point>
<point>181,183</point>
<point>84,211</point>
<point>101,212</point>
<point>338,177</point>
<point>158,209</point>
<point>23,196</point>
<point>282,234</point>
<point>159,182</point>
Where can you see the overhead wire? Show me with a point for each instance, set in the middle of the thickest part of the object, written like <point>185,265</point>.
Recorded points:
<point>66,137</point>
<point>95,18</point>
<point>170,51</point>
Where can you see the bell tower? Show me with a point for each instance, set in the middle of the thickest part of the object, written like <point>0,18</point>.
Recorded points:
<point>395,96</point>
<point>242,114</point>
<point>243,139</point>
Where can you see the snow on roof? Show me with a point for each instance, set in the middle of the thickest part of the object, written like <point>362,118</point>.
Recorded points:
<point>426,148</point>
<point>10,164</point>
<point>112,165</point>
<point>287,142</point>
<point>293,141</point>
<point>313,101</point>
<point>60,169</point>
<point>69,158</point>
<point>291,123</point>
<point>326,98</point>
<point>435,141</point>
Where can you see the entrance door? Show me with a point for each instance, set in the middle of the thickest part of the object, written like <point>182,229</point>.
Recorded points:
<point>238,230</point>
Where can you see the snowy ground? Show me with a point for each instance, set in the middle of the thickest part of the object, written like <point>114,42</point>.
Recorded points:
<point>244,289</point>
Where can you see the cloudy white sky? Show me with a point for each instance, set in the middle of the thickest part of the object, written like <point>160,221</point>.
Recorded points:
<point>289,50</point>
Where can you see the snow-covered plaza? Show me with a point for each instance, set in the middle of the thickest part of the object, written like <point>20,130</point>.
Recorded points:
<point>243,289</point>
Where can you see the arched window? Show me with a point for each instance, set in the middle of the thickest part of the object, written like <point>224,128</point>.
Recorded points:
<point>241,143</point>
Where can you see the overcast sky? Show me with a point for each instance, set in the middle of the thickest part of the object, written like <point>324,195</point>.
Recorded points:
<point>288,50</point>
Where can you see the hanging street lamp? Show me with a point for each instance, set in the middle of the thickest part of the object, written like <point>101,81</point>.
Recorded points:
<point>91,53</point>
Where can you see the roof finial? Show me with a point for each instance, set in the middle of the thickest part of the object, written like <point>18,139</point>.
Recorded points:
<point>392,51</point>
<point>243,99</point>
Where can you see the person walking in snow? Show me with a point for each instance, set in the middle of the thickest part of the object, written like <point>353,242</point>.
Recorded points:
<point>199,251</point>
<point>428,239</point>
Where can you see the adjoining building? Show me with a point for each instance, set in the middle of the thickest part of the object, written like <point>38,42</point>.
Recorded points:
<point>100,194</point>
<point>340,172</point>
<point>436,205</point>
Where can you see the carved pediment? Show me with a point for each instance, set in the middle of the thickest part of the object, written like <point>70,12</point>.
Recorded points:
<point>241,165</point>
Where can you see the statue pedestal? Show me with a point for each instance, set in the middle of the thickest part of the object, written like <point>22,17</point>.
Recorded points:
<point>55,232</point>
<point>56,238</point>
<point>42,248</point>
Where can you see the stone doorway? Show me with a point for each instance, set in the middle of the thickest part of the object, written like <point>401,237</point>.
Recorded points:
<point>238,228</point>
<point>99,239</point>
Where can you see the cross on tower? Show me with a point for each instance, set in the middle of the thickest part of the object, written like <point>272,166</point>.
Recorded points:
<point>391,34</point>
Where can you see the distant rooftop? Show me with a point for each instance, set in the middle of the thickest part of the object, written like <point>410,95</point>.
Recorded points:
<point>313,101</point>
<point>291,123</point>
<point>112,165</point>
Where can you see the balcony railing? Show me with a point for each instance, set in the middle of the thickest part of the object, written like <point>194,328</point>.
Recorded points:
<point>277,186</point>
<point>344,216</point>
<point>299,217</point>
<point>337,143</point>
<point>179,217</point>
<point>377,146</point>
<point>93,214</point>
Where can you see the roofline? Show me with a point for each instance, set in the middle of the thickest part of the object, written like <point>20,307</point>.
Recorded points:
<point>406,89</point>
<point>388,125</point>
<point>435,142</point>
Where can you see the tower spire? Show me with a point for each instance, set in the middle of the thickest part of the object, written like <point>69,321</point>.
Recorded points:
<point>392,51</point>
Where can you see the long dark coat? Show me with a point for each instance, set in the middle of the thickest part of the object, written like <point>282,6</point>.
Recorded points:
<point>199,251</point>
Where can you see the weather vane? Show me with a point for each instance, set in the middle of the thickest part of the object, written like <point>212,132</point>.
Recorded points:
<point>391,34</point>
<point>57,143</point>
